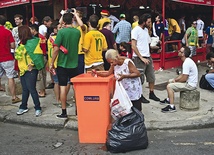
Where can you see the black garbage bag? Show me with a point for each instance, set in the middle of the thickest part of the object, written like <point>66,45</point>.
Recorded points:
<point>128,133</point>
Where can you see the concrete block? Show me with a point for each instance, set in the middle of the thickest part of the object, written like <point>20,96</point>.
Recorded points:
<point>18,88</point>
<point>190,100</point>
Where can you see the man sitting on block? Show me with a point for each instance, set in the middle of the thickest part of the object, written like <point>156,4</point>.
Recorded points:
<point>186,81</point>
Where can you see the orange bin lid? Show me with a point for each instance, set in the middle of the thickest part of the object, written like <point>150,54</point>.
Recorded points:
<point>87,77</point>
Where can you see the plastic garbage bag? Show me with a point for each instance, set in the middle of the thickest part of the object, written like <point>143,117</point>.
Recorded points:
<point>120,103</point>
<point>128,133</point>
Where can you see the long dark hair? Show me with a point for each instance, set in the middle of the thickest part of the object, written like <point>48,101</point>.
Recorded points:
<point>24,34</point>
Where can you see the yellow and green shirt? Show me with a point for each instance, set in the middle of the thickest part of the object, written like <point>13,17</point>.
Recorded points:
<point>95,43</point>
<point>50,51</point>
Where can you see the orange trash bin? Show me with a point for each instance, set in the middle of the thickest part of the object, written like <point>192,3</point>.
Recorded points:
<point>93,96</point>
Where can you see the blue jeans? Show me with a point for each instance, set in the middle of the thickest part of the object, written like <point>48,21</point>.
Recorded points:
<point>210,78</point>
<point>81,64</point>
<point>28,82</point>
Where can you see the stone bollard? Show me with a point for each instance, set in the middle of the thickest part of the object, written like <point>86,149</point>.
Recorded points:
<point>190,100</point>
<point>18,87</point>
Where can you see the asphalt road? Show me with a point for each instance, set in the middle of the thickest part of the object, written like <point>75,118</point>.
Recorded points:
<point>27,140</point>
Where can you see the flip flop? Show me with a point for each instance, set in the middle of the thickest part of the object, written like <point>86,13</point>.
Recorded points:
<point>2,89</point>
<point>40,96</point>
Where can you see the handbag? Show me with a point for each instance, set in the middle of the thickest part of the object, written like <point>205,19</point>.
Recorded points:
<point>120,103</point>
<point>204,84</point>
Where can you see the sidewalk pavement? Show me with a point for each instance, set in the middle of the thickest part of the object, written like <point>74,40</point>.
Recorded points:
<point>154,118</point>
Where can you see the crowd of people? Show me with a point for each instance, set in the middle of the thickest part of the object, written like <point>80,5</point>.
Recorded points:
<point>68,47</point>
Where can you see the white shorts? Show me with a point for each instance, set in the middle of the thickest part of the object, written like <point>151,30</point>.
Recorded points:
<point>8,68</point>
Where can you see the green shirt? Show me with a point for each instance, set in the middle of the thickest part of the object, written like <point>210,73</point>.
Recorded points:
<point>68,38</point>
<point>192,36</point>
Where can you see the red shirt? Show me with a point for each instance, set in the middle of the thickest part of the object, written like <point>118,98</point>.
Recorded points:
<point>5,39</point>
<point>43,44</point>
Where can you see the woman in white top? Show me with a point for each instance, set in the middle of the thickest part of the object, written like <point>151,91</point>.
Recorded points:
<point>126,72</point>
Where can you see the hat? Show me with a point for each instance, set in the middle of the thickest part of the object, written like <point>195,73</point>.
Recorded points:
<point>122,15</point>
<point>104,12</point>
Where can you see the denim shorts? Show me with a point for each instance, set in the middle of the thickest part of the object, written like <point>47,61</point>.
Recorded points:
<point>8,68</point>
<point>55,78</point>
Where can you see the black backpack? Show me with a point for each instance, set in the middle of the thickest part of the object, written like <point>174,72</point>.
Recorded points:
<point>204,84</point>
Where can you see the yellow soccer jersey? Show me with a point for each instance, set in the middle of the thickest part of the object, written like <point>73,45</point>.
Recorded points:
<point>102,21</point>
<point>95,43</point>
<point>134,24</point>
<point>82,33</point>
<point>173,23</point>
<point>50,52</point>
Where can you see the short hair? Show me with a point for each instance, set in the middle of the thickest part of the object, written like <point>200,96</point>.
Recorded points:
<point>67,18</point>
<point>24,34</point>
<point>209,55</point>
<point>187,51</point>
<point>124,44</point>
<point>111,54</point>
<point>212,22</point>
<point>106,23</point>
<point>161,17</point>
<point>34,27</point>
<point>55,24</point>
<point>144,18</point>
<point>46,19</point>
<point>18,16</point>
<point>80,13</point>
<point>2,20</point>
<point>93,20</point>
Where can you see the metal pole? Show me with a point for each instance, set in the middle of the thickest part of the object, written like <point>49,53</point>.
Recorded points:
<point>162,61</point>
<point>213,12</point>
<point>33,12</point>
<point>65,4</point>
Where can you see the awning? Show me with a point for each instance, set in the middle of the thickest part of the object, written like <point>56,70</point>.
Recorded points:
<point>197,2</point>
<point>36,1</point>
<point>8,3</point>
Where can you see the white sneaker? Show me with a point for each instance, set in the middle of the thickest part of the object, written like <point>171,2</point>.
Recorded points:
<point>38,113</point>
<point>21,111</point>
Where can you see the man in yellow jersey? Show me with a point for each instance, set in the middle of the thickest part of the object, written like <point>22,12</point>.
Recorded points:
<point>93,46</point>
<point>104,18</point>
<point>135,23</point>
<point>174,31</point>
<point>77,23</point>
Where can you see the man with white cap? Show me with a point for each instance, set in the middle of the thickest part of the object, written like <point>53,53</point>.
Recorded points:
<point>123,30</point>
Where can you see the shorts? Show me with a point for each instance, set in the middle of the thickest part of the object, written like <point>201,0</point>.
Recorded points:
<point>147,70</point>
<point>8,68</point>
<point>193,50</point>
<point>97,68</point>
<point>55,78</point>
<point>65,74</point>
<point>175,36</point>
<point>178,86</point>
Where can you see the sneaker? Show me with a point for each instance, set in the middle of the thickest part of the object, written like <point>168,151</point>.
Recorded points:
<point>61,116</point>
<point>38,113</point>
<point>153,97</point>
<point>50,86</point>
<point>144,100</point>
<point>21,111</point>
<point>165,101</point>
<point>168,108</point>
